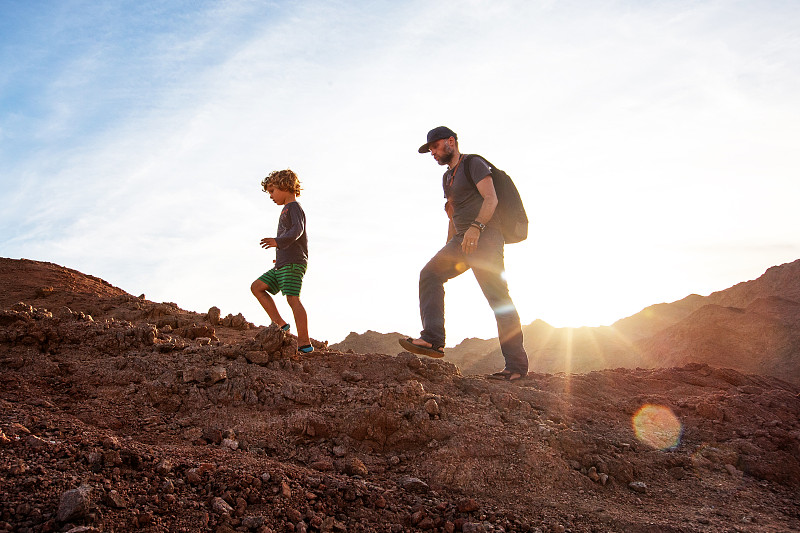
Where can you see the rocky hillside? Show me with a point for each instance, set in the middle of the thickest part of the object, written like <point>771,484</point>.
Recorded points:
<point>370,342</point>
<point>762,338</point>
<point>751,327</point>
<point>122,414</point>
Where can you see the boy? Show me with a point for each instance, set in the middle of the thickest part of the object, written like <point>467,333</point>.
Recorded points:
<point>291,257</point>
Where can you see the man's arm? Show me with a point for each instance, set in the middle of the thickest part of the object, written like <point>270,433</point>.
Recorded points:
<point>486,190</point>
<point>451,227</point>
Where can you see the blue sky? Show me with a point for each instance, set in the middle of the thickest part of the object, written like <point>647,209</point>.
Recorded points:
<point>653,142</point>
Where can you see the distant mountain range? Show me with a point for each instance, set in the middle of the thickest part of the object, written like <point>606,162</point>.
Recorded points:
<point>751,327</point>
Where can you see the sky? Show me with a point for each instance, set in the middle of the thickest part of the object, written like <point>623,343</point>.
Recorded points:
<point>654,143</point>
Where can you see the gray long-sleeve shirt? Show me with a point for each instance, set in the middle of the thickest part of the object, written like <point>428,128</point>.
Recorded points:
<point>292,239</point>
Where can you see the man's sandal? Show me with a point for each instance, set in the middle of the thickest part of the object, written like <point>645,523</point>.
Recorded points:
<point>306,348</point>
<point>433,351</point>
<point>506,375</point>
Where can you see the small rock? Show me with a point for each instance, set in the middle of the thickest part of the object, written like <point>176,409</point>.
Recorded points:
<point>677,472</point>
<point>18,429</point>
<point>253,522</point>
<point>323,465</point>
<point>638,486</point>
<point>44,292</point>
<point>220,506</point>
<point>732,470</point>
<point>230,444</point>
<point>294,515</point>
<point>193,477</point>
<point>36,443</point>
<point>351,376</point>
<point>145,519</point>
<point>112,458</point>
<point>355,467</point>
<point>216,374</point>
<point>426,523</point>
<point>432,407</point>
<point>467,505</point>
<point>114,499</point>
<point>111,443</point>
<point>212,435</point>
<point>413,484</point>
<point>213,315</point>
<point>241,506</point>
<point>164,467</point>
<point>74,504</point>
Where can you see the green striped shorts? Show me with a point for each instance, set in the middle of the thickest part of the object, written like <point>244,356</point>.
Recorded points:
<point>288,279</point>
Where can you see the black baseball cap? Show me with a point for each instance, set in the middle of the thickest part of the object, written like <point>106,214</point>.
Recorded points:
<point>440,132</point>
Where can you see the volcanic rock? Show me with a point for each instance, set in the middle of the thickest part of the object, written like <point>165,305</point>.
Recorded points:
<point>367,441</point>
<point>74,504</point>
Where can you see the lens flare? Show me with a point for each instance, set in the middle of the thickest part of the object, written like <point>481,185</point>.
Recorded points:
<point>657,426</point>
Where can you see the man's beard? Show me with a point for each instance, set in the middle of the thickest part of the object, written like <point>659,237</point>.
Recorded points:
<point>447,156</point>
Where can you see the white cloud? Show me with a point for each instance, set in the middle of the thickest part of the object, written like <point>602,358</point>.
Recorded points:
<point>641,136</point>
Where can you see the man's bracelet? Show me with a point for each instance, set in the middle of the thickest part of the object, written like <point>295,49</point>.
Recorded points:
<point>476,224</point>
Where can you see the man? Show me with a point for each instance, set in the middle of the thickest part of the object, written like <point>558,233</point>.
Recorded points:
<point>474,241</point>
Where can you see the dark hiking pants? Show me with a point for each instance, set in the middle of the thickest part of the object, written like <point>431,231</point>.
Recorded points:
<point>488,266</point>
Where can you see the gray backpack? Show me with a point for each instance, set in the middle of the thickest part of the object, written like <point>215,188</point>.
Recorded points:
<point>510,211</point>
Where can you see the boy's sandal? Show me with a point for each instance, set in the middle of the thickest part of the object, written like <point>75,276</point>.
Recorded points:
<point>306,348</point>
<point>433,351</point>
<point>286,327</point>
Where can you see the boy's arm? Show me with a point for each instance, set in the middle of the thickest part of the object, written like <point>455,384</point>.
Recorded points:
<point>293,232</point>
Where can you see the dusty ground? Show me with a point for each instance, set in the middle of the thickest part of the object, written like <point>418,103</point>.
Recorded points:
<point>121,414</point>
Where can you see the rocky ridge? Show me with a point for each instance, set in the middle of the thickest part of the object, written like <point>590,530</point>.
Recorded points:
<point>146,417</point>
<point>753,327</point>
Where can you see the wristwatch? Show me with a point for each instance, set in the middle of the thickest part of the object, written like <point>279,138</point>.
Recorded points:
<point>476,224</point>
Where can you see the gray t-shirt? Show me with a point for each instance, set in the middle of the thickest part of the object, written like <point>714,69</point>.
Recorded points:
<point>462,195</point>
<point>292,239</point>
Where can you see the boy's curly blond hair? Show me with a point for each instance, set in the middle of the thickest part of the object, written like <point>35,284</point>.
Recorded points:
<point>285,180</point>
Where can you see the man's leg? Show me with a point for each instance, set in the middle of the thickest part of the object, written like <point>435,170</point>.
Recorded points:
<point>261,291</point>
<point>488,266</point>
<point>446,264</point>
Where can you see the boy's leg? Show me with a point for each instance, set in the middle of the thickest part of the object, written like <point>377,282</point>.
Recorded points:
<point>261,291</point>
<point>300,320</point>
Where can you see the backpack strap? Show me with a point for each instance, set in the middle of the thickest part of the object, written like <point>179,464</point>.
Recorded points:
<point>465,162</point>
